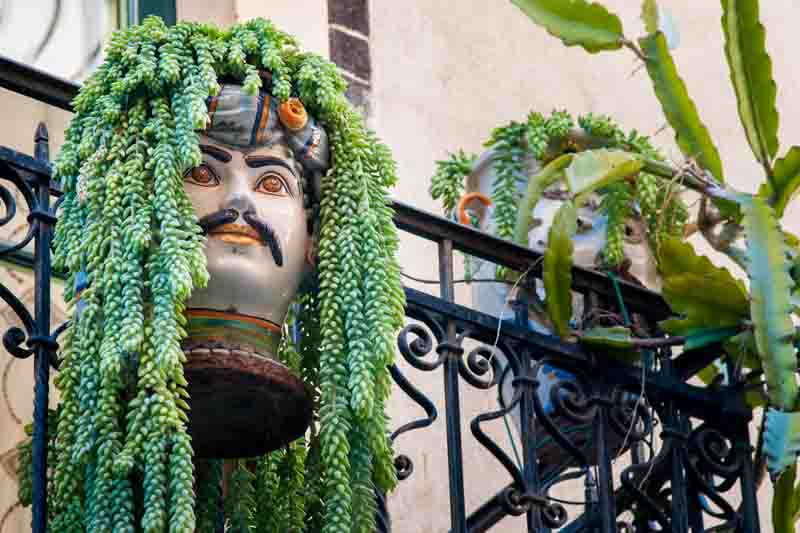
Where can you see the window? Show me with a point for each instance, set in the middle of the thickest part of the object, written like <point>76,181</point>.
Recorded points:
<point>162,8</point>
<point>66,38</point>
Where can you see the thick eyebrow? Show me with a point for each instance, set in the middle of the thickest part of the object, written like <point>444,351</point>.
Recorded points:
<point>257,161</point>
<point>217,153</point>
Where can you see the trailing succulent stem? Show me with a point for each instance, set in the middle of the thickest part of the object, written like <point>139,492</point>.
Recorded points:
<point>129,237</point>
<point>448,182</point>
<point>545,140</point>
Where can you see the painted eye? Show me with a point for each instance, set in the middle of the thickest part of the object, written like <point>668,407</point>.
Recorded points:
<point>633,234</point>
<point>201,175</point>
<point>271,184</point>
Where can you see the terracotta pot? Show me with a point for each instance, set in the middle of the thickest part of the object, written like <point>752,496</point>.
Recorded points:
<point>243,401</point>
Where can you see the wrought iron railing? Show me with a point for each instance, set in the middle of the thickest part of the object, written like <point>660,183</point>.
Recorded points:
<point>704,452</point>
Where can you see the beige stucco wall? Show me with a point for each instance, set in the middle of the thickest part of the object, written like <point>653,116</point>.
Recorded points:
<point>444,74</point>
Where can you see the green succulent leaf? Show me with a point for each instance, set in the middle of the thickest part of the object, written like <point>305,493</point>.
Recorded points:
<point>786,502</point>
<point>680,326</point>
<point>751,75</point>
<point>557,275</point>
<point>770,305</point>
<point>703,337</point>
<point>615,337</point>
<point>576,22</point>
<point>742,349</point>
<point>448,181</point>
<point>593,169</point>
<point>755,398</point>
<point>690,133</point>
<point>708,374</point>
<point>650,16</point>
<point>722,303</point>
<point>781,439</point>
<point>615,342</point>
<point>785,181</point>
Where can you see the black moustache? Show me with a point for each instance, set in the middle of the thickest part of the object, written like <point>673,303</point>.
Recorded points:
<point>267,235</point>
<point>228,216</point>
<point>214,220</point>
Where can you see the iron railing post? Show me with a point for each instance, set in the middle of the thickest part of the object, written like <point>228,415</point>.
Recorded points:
<point>675,432</point>
<point>41,341</point>
<point>530,471</point>
<point>452,353</point>
<point>749,509</point>
<point>605,480</point>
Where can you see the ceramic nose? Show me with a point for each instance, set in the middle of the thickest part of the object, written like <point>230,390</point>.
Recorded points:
<point>238,196</point>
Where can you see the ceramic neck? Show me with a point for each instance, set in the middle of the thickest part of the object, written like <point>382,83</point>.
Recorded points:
<point>209,329</point>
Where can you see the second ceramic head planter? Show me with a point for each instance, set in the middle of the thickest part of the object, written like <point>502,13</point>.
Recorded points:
<point>589,241</point>
<point>617,228</point>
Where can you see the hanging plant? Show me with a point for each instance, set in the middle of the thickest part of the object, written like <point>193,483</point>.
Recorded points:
<point>129,237</point>
<point>543,139</point>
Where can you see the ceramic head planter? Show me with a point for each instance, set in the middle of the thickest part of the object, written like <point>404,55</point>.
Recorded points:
<point>205,173</point>
<point>617,229</point>
<point>590,241</point>
<point>254,196</point>
<point>618,226</point>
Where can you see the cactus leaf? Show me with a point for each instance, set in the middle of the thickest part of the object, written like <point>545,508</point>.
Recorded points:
<point>770,305</point>
<point>784,184</point>
<point>557,275</point>
<point>690,133</point>
<point>722,303</point>
<point>576,22</point>
<point>786,502</point>
<point>751,76</point>
<point>781,440</point>
<point>593,169</point>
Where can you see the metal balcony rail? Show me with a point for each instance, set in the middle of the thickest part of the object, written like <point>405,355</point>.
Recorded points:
<point>595,411</point>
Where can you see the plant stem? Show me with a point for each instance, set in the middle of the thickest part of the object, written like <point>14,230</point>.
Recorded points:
<point>688,178</point>
<point>658,343</point>
<point>630,45</point>
<point>651,342</point>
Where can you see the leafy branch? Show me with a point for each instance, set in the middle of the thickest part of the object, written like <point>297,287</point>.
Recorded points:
<point>767,258</point>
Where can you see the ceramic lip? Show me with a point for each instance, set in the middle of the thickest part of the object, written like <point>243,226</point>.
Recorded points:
<point>236,233</point>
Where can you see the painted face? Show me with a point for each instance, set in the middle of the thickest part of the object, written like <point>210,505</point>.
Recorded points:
<point>250,204</point>
<point>590,238</point>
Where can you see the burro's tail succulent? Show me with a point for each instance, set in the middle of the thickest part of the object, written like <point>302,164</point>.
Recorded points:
<point>129,237</point>
<point>517,188</point>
